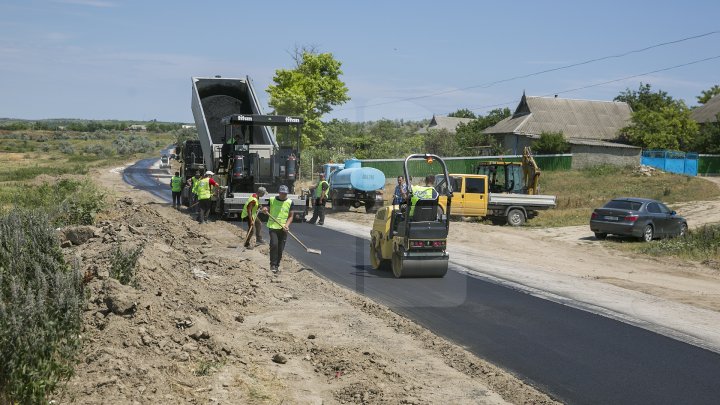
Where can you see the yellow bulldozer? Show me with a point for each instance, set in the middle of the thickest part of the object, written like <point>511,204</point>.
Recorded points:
<point>412,237</point>
<point>512,177</point>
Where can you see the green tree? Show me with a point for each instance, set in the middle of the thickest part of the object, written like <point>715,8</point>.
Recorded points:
<point>708,138</point>
<point>470,137</point>
<point>551,143</point>
<point>706,95</point>
<point>442,143</point>
<point>463,113</point>
<point>645,98</point>
<point>309,90</point>
<point>669,127</point>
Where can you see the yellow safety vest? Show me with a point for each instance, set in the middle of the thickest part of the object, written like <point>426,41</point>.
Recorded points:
<point>203,189</point>
<point>318,189</point>
<point>176,184</point>
<point>194,185</point>
<point>254,210</point>
<point>280,210</point>
<point>420,193</point>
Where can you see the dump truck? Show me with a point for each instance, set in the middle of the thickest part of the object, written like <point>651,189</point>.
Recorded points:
<point>239,144</point>
<point>473,199</point>
<point>352,185</point>
<point>413,240</point>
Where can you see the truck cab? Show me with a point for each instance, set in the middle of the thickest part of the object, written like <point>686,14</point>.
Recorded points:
<point>472,198</point>
<point>470,193</point>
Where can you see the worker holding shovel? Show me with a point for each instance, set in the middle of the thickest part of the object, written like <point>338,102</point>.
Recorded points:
<point>250,214</point>
<point>279,221</point>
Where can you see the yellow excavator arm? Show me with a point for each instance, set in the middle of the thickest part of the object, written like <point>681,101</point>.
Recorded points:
<point>531,172</point>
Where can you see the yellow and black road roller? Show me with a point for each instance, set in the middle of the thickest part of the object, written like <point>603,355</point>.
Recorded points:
<point>411,237</point>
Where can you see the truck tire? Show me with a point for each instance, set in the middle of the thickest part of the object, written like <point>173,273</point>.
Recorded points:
<point>516,217</point>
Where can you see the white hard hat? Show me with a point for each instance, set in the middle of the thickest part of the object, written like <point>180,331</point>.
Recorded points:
<point>209,173</point>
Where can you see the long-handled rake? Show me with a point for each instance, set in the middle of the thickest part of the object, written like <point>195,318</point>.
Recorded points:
<point>307,249</point>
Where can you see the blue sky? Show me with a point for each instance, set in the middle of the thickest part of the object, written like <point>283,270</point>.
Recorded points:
<point>132,60</point>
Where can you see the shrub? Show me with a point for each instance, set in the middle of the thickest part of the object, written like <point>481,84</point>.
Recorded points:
<point>67,202</point>
<point>551,143</point>
<point>123,264</point>
<point>40,309</point>
<point>699,244</point>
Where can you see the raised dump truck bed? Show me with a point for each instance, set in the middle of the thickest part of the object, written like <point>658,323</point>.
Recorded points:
<point>239,146</point>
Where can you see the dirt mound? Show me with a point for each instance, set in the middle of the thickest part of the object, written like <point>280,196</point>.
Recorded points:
<point>203,320</point>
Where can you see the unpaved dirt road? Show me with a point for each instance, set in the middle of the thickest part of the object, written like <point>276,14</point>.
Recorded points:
<point>207,323</point>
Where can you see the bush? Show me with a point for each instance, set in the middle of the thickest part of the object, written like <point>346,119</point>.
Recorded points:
<point>40,309</point>
<point>67,202</point>
<point>123,264</point>
<point>551,143</point>
<point>699,244</point>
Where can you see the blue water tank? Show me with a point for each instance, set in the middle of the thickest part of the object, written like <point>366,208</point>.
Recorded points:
<point>359,178</point>
<point>352,163</point>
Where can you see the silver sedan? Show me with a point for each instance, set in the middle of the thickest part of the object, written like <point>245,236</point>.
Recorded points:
<point>639,217</point>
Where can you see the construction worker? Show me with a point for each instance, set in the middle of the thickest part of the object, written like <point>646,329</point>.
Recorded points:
<point>176,188</point>
<point>204,192</point>
<point>279,220</point>
<point>249,213</point>
<point>400,193</point>
<point>426,192</point>
<point>192,184</point>
<point>321,193</point>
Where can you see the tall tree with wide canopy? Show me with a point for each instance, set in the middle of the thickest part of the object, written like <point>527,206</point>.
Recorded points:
<point>310,90</point>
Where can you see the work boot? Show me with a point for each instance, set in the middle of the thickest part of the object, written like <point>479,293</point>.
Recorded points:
<point>260,241</point>
<point>275,269</point>
<point>320,223</point>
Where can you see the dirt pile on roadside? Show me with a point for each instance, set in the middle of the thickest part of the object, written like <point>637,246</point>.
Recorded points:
<point>203,320</point>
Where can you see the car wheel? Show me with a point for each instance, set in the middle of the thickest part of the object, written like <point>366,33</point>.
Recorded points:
<point>648,233</point>
<point>516,217</point>
<point>683,230</point>
<point>600,235</point>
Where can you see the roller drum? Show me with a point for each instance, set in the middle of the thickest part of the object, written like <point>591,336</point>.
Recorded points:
<point>419,266</point>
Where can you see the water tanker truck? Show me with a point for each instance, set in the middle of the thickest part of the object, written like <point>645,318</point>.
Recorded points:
<point>238,143</point>
<point>352,185</point>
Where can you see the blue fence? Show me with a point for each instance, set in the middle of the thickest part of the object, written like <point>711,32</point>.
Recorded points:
<point>671,161</point>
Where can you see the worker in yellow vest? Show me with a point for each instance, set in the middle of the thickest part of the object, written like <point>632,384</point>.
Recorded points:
<point>249,214</point>
<point>204,193</point>
<point>426,192</point>
<point>176,188</point>
<point>321,193</point>
<point>192,195</point>
<point>278,224</point>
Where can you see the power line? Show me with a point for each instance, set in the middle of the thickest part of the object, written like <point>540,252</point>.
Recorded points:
<point>507,103</point>
<point>489,84</point>
<point>606,82</point>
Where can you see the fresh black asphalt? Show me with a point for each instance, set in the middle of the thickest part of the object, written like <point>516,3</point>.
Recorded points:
<point>575,356</point>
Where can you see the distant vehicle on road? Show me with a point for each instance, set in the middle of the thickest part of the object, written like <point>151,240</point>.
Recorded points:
<point>638,217</point>
<point>164,162</point>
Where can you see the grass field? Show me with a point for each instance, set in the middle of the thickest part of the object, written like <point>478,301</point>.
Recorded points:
<point>27,154</point>
<point>580,191</point>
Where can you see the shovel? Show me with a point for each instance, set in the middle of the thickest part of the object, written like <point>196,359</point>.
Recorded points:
<point>307,249</point>
<point>251,227</point>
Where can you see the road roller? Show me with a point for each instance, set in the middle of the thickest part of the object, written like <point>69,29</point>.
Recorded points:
<point>411,238</point>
